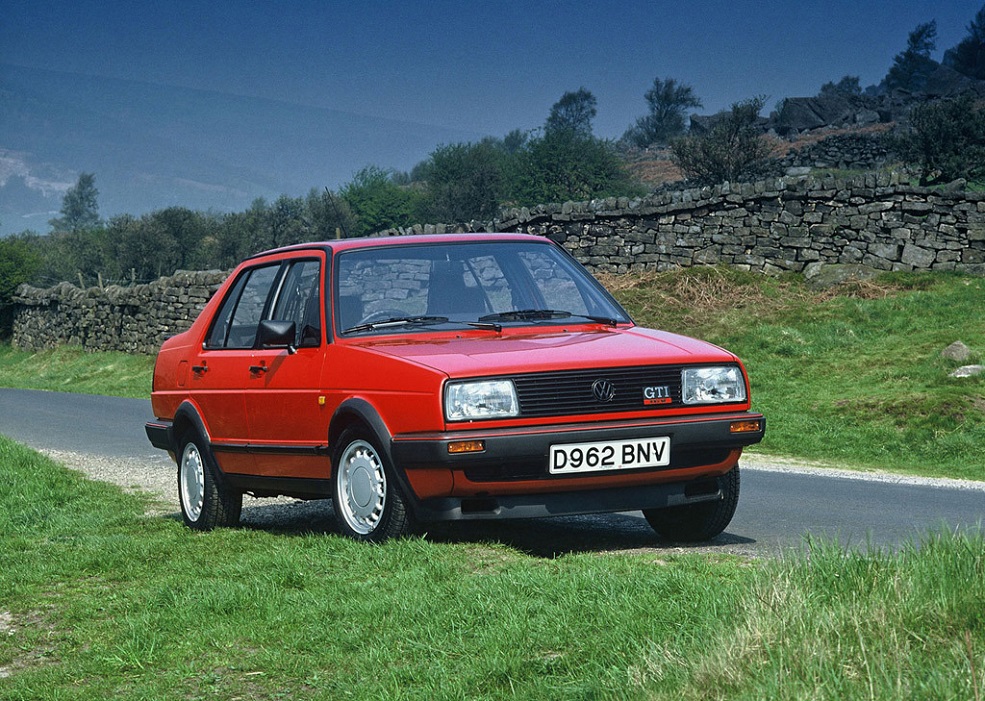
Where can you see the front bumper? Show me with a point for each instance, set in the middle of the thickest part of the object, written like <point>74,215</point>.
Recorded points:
<point>522,453</point>
<point>510,477</point>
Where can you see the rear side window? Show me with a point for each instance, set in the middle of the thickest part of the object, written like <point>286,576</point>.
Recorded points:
<point>235,325</point>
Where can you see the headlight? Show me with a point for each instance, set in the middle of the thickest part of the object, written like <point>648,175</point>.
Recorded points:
<point>713,385</point>
<point>490,399</point>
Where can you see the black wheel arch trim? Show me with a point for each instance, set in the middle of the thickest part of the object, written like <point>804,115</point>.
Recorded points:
<point>358,410</point>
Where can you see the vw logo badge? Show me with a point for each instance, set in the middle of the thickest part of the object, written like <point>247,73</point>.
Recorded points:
<point>603,390</point>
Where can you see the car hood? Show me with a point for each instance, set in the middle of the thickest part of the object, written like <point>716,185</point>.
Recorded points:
<point>509,353</point>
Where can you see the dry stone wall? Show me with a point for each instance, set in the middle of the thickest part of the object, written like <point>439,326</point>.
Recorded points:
<point>773,226</point>
<point>131,319</point>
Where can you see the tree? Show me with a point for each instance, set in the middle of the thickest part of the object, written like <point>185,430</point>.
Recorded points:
<point>732,150</point>
<point>514,141</point>
<point>464,181</point>
<point>19,262</point>
<point>145,246</point>
<point>376,202</point>
<point>668,102</point>
<point>968,57</point>
<point>186,228</point>
<point>573,112</point>
<point>848,86</point>
<point>912,66</point>
<point>80,209</point>
<point>563,166</point>
<point>946,140</point>
<point>329,215</point>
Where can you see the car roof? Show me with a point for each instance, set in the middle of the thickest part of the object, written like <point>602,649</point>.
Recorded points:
<point>340,245</point>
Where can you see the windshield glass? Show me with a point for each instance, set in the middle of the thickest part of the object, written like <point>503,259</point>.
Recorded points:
<point>402,289</point>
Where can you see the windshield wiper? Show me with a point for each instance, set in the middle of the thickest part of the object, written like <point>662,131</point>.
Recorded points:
<point>397,321</point>
<point>491,325</point>
<point>607,320</point>
<point>544,315</point>
<point>526,315</point>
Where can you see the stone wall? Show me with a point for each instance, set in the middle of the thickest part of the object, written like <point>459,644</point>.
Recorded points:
<point>772,226</point>
<point>854,151</point>
<point>131,319</point>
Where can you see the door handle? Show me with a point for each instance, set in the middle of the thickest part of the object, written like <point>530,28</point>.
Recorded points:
<point>200,369</point>
<point>257,369</point>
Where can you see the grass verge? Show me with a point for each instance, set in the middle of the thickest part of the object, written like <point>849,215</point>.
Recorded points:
<point>99,601</point>
<point>70,369</point>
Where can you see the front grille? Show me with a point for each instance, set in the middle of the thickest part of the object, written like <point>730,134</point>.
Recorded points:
<point>570,392</point>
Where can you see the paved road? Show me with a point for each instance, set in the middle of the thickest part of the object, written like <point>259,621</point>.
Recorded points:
<point>780,504</point>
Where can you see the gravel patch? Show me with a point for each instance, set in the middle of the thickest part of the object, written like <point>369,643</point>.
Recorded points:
<point>768,463</point>
<point>156,477</point>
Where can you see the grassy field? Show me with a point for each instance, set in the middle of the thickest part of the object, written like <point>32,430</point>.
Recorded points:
<point>99,601</point>
<point>852,376</point>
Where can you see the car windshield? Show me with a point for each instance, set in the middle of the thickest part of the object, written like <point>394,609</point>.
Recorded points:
<point>412,288</point>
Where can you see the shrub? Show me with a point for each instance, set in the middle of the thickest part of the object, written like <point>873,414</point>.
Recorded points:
<point>732,150</point>
<point>945,140</point>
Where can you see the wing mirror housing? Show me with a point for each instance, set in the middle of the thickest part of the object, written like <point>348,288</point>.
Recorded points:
<point>277,334</point>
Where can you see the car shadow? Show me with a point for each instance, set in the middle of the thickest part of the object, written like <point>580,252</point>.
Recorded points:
<point>544,537</point>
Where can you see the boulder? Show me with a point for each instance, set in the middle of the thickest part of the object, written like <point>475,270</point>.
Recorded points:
<point>823,277</point>
<point>957,352</point>
<point>968,371</point>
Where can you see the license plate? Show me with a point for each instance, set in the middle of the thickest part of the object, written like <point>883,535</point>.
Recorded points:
<point>610,455</point>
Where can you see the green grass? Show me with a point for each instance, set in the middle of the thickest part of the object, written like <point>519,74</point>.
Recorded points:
<point>69,369</point>
<point>99,601</point>
<point>852,377</point>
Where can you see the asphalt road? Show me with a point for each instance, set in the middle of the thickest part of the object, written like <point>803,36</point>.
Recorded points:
<point>781,505</point>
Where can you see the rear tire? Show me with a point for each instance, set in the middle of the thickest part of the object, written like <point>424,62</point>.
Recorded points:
<point>368,501</point>
<point>206,501</point>
<point>694,523</point>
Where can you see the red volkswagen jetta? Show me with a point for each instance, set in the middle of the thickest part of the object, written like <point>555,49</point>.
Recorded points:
<point>427,378</point>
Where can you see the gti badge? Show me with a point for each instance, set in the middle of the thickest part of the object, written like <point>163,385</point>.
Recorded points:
<point>656,395</point>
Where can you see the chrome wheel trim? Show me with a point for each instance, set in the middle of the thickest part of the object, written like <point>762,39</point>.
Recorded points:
<point>191,482</point>
<point>362,487</point>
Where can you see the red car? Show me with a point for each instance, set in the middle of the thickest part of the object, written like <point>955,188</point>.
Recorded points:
<point>428,378</point>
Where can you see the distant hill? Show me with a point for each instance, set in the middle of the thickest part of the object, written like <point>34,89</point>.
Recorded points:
<point>154,146</point>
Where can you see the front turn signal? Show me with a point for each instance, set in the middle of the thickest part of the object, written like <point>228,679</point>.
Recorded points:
<point>457,447</point>
<point>746,426</point>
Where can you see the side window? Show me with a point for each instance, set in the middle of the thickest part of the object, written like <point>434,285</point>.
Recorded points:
<point>237,321</point>
<point>299,301</point>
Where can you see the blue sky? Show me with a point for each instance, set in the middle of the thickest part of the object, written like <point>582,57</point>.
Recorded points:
<point>482,66</point>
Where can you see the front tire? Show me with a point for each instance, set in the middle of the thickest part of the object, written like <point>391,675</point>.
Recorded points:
<point>206,502</point>
<point>694,523</point>
<point>369,504</point>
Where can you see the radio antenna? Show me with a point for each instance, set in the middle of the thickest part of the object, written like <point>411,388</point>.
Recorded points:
<point>338,214</point>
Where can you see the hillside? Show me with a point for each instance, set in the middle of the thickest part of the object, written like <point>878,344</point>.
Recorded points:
<point>153,146</point>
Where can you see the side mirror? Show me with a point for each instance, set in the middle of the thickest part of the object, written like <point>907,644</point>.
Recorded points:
<point>277,334</point>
